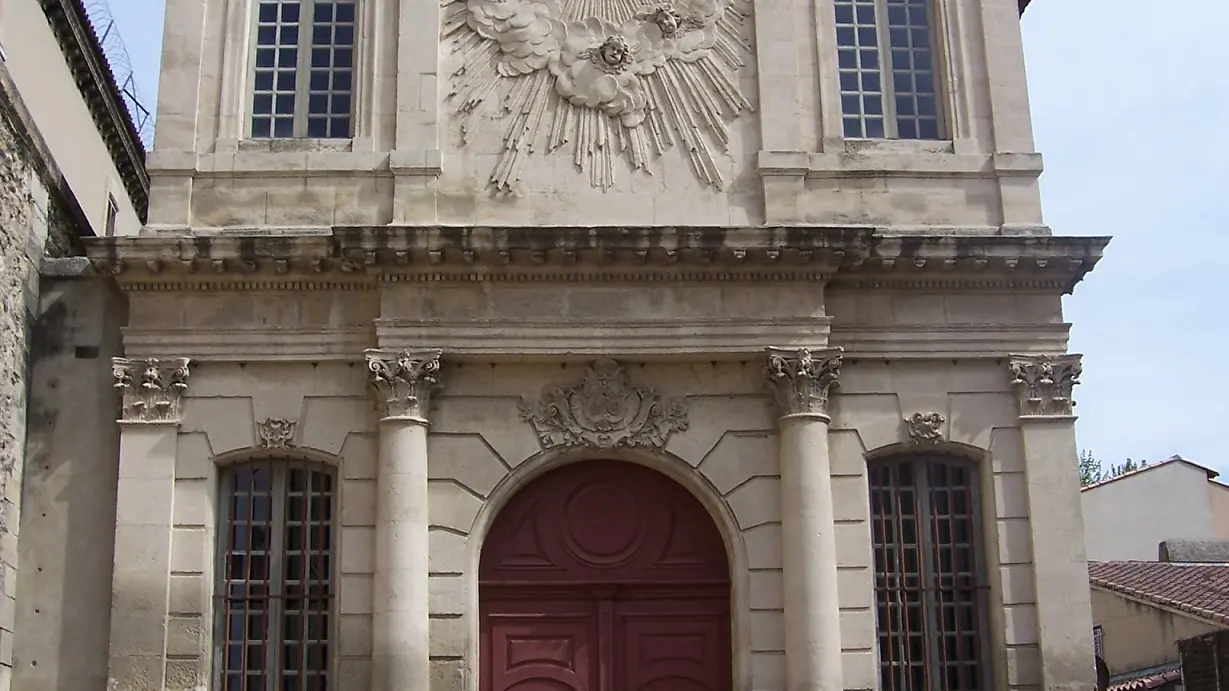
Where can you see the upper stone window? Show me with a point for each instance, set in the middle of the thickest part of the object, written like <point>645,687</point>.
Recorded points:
<point>887,65</point>
<point>303,69</point>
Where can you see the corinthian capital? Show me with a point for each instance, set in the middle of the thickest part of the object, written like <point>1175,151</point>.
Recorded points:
<point>1044,383</point>
<point>404,380</point>
<point>153,389</point>
<point>801,379</point>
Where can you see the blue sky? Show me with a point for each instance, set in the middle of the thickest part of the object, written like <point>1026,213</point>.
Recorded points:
<point>1131,112</point>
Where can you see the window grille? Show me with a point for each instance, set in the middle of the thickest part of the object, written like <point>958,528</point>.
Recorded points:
<point>275,595</point>
<point>303,72</point>
<point>1098,642</point>
<point>886,61</point>
<point>929,582</point>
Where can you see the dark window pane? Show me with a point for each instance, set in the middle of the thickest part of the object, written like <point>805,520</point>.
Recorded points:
<point>341,80</point>
<point>290,12</point>
<point>344,36</point>
<point>345,12</point>
<point>268,12</point>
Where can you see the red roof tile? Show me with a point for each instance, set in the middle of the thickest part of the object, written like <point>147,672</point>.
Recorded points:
<point>1201,590</point>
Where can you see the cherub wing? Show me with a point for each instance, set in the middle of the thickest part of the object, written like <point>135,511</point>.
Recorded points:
<point>542,61</point>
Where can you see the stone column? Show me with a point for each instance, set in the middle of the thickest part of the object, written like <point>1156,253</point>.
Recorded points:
<point>1044,384</point>
<point>801,380</point>
<point>149,426</point>
<point>403,383</point>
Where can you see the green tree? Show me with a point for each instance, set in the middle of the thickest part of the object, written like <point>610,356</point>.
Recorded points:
<point>1090,469</point>
<point>1093,471</point>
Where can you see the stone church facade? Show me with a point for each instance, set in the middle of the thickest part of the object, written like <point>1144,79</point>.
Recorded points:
<point>596,345</point>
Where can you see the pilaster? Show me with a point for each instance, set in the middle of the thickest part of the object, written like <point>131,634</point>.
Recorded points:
<point>801,381</point>
<point>152,405</point>
<point>1043,385</point>
<point>403,382</point>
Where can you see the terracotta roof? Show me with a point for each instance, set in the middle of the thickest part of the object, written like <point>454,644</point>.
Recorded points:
<point>1201,590</point>
<point>1151,680</point>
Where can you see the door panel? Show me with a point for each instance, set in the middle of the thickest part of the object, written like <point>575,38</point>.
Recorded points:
<point>539,646</point>
<point>671,645</point>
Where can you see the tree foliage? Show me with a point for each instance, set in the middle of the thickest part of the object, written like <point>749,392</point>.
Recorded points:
<point>1092,470</point>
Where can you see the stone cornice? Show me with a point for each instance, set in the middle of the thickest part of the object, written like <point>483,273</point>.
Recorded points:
<point>363,257</point>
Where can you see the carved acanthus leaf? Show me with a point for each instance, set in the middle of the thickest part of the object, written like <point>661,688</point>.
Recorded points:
<point>609,79</point>
<point>403,380</point>
<point>277,432</point>
<point>1044,384</point>
<point>604,410</point>
<point>802,379</point>
<point>152,388</point>
<point>925,428</point>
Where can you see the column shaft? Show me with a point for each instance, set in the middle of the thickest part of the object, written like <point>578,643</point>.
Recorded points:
<point>812,611</point>
<point>400,615</point>
<point>401,618</point>
<point>800,381</point>
<point>1044,385</point>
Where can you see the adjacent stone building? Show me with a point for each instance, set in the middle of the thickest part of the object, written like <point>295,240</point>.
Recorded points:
<point>599,344</point>
<point>71,167</point>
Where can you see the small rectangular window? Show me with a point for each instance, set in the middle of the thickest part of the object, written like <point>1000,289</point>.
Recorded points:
<point>886,61</point>
<point>112,215</point>
<point>1098,642</point>
<point>303,69</point>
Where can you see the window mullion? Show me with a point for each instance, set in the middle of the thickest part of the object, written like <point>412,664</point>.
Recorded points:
<point>303,68</point>
<point>930,579</point>
<point>273,653</point>
<point>886,86</point>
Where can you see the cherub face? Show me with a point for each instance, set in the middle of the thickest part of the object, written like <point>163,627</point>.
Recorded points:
<point>667,21</point>
<point>613,52</point>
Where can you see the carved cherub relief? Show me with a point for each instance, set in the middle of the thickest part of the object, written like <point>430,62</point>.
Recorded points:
<point>608,78</point>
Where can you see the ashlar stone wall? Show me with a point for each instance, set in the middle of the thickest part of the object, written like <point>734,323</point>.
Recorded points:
<point>481,451</point>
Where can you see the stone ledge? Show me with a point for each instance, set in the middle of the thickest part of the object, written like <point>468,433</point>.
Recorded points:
<point>479,253</point>
<point>896,164</point>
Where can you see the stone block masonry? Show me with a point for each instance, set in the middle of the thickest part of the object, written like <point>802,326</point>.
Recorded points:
<point>35,221</point>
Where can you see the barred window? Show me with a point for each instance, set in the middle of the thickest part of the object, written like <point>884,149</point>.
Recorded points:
<point>929,577</point>
<point>887,65</point>
<point>275,595</point>
<point>303,69</point>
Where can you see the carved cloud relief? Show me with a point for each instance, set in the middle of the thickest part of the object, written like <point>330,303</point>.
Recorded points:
<point>611,78</point>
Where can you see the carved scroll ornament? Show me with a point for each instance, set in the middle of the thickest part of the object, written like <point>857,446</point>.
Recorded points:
<point>276,432</point>
<point>1044,384</point>
<point>801,379</point>
<point>604,410</point>
<point>925,428</point>
<point>608,78</point>
<point>152,388</point>
<point>404,380</point>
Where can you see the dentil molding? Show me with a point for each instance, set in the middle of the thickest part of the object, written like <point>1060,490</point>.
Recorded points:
<point>925,428</point>
<point>152,388</point>
<point>403,380</point>
<point>1044,384</point>
<point>604,409</point>
<point>801,379</point>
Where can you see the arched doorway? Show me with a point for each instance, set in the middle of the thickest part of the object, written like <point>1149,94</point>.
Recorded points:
<point>604,576</point>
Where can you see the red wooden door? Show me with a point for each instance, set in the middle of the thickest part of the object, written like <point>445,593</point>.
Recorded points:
<point>604,576</point>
